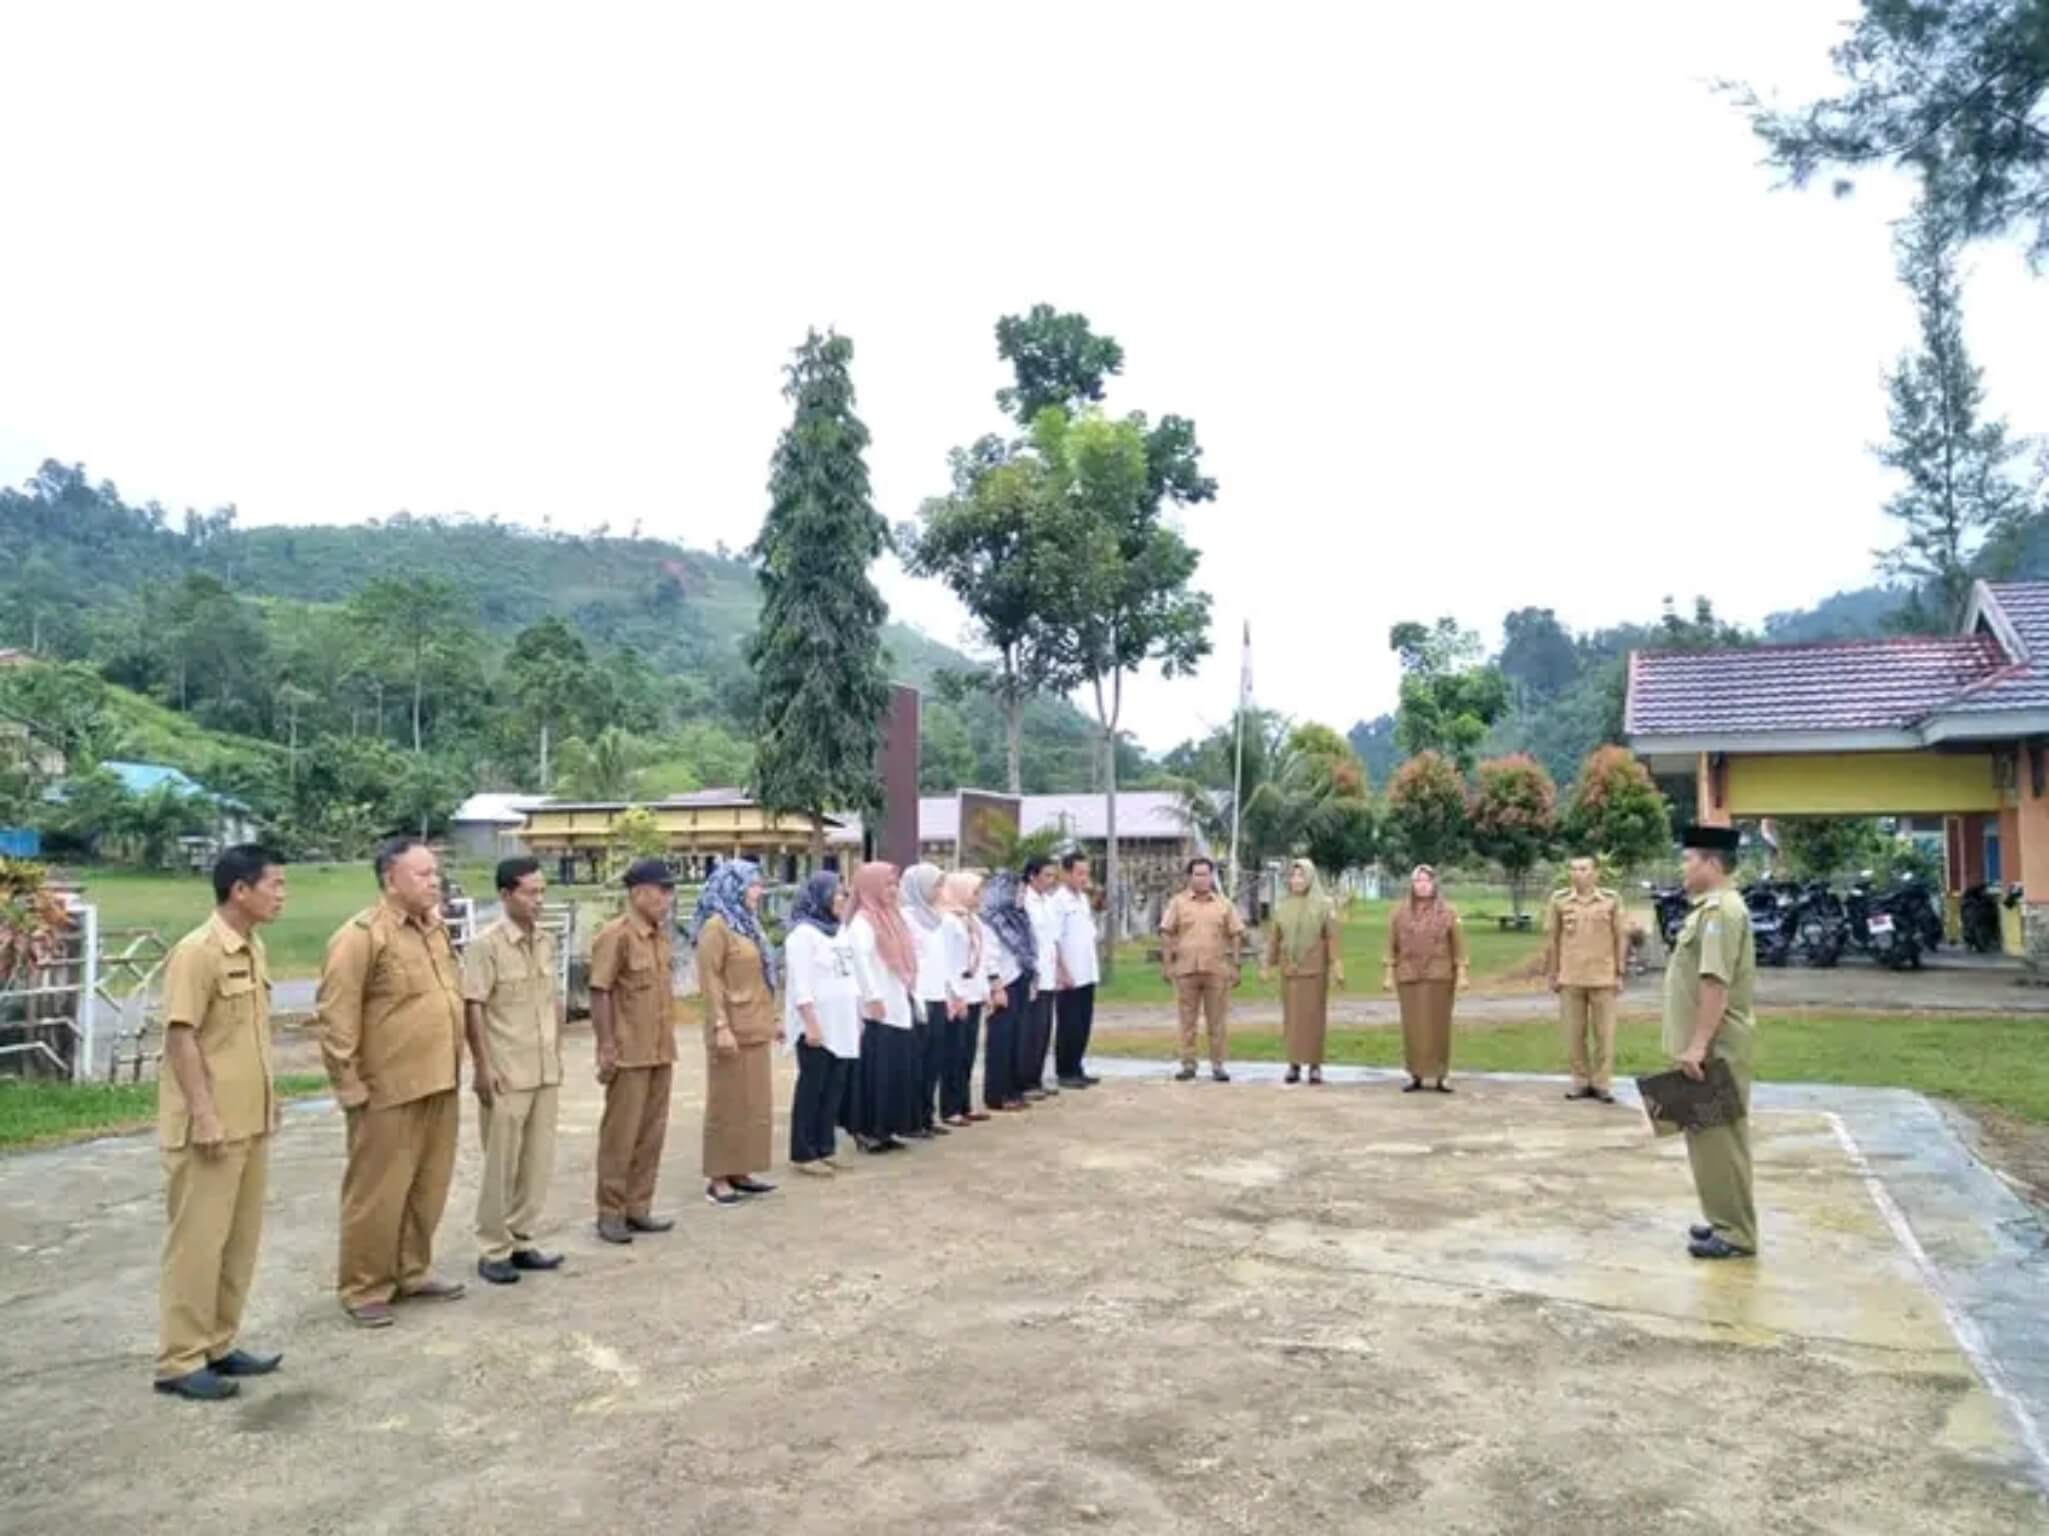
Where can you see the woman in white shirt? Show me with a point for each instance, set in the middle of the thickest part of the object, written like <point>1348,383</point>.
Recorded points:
<point>1013,962</point>
<point>968,976</point>
<point>821,1020</point>
<point>884,1102</point>
<point>933,991</point>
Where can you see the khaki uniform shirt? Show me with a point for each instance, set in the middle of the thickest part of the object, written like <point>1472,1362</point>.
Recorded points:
<point>1586,940</point>
<point>217,984</point>
<point>510,974</point>
<point>735,990</point>
<point>1714,942</point>
<point>390,1008</point>
<point>1201,935</point>
<point>636,964</point>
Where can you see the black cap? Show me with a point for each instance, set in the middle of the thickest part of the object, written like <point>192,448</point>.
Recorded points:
<point>1711,839</point>
<point>650,872</point>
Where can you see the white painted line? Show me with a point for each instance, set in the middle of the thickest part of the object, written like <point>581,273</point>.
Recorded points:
<point>1968,1338</point>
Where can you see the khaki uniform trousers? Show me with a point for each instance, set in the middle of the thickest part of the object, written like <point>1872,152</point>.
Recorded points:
<point>213,1208</point>
<point>630,1138</point>
<point>1209,995</point>
<point>401,1160</point>
<point>518,1132</point>
<point>1720,1156</point>
<point>1589,1012</point>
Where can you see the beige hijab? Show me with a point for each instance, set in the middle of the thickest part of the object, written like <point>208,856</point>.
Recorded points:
<point>1302,918</point>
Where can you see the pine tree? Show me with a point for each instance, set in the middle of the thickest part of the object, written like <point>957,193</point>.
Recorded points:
<point>817,654</point>
<point>1961,489</point>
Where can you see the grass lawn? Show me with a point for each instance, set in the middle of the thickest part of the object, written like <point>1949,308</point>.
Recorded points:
<point>319,898</point>
<point>1991,1061</point>
<point>41,1113</point>
<point>1499,960</point>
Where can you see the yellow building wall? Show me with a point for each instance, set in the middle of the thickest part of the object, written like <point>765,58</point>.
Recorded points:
<point>1861,784</point>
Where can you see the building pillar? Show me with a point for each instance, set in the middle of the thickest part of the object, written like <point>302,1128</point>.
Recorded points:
<point>2030,856</point>
<point>1711,790</point>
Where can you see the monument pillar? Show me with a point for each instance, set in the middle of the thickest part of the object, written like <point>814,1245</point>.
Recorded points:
<point>894,839</point>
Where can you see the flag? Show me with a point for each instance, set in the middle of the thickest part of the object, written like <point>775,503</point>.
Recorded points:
<point>1245,671</point>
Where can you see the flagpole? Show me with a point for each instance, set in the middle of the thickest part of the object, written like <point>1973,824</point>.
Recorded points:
<point>1238,770</point>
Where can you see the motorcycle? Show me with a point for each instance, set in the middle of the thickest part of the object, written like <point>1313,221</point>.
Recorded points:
<point>1820,925</point>
<point>1771,920</point>
<point>1671,904</point>
<point>1984,931</point>
<point>1887,925</point>
<point>1924,907</point>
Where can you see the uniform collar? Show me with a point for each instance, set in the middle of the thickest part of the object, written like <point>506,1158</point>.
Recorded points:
<point>516,934</point>
<point>230,940</point>
<point>1200,895</point>
<point>642,926</point>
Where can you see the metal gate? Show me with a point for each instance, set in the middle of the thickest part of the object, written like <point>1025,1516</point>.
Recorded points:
<point>47,1018</point>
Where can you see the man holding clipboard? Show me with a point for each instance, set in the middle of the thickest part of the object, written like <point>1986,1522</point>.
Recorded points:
<point>1709,1034</point>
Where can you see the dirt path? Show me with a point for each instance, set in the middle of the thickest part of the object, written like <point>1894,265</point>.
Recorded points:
<point>1146,1308</point>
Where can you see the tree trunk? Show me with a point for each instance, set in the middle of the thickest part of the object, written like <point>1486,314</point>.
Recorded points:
<point>1111,873</point>
<point>419,691</point>
<point>1013,729</point>
<point>544,757</point>
<point>817,841</point>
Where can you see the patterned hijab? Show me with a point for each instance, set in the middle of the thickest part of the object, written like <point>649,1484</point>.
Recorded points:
<point>1002,912</point>
<point>921,895</point>
<point>963,890</point>
<point>872,900</point>
<point>1301,918</point>
<point>725,895</point>
<point>1422,924</point>
<point>814,904</point>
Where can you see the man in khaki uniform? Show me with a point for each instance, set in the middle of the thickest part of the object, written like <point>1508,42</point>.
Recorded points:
<point>1199,937</point>
<point>1707,1016</point>
<point>633,1014</point>
<point>216,1110</point>
<point>1586,948</point>
<point>391,1027</point>
<point>515,1025</point>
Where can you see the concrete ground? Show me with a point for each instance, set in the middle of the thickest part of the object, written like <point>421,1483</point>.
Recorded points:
<point>1147,1308</point>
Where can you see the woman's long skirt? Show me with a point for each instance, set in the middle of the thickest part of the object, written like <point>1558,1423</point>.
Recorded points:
<point>999,1054</point>
<point>884,1098</point>
<point>816,1104</point>
<point>956,1087</point>
<point>1426,1027</point>
<point>1305,1017</point>
<point>739,1115</point>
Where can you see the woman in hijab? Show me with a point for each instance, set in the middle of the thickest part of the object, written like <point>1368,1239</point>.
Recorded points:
<point>934,991</point>
<point>736,973</point>
<point>1012,950</point>
<point>821,1020</point>
<point>1303,943</point>
<point>968,976</point>
<point>1426,963</point>
<point>884,1102</point>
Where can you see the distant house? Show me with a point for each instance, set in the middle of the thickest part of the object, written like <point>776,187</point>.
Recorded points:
<point>233,821</point>
<point>701,829</point>
<point>486,825</point>
<point>11,657</point>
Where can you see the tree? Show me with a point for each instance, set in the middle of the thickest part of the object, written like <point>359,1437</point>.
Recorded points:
<point>1822,847</point>
<point>1425,818</point>
<point>1514,818</point>
<point>1305,792</point>
<point>604,767</point>
<point>1952,92</point>
<point>1616,812</point>
<point>151,823</point>
<point>1960,485</point>
<point>1006,544</point>
<point>1058,362</point>
<point>218,651</point>
<point>426,791</point>
<point>817,653</point>
<point>1134,605</point>
<point>549,673</point>
<point>411,623</point>
<point>636,834</point>
<point>1537,656</point>
<point>1448,700</point>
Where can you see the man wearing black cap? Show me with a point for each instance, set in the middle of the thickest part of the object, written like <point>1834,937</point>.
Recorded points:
<point>1707,1017</point>
<point>633,1016</point>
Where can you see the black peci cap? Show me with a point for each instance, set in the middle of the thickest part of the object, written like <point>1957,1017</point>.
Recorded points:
<point>1711,839</point>
<point>650,872</point>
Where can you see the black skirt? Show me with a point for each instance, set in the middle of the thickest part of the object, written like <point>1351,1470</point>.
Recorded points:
<point>885,1100</point>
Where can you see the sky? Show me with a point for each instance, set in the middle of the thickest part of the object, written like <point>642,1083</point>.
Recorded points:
<point>1474,307</point>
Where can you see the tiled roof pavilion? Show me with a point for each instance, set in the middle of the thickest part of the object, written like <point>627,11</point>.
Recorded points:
<point>1988,682</point>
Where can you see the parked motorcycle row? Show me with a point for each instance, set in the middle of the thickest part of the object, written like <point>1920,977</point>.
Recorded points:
<point>1809,922</point>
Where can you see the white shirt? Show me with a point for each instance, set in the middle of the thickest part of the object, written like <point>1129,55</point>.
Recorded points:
<point>970,982</point>
<point>1077,939</point>
<point>1045,916</point>
<point>876,982</point>
<point>1003,967</point>
<point>934,958</point>
<point>821,973</point>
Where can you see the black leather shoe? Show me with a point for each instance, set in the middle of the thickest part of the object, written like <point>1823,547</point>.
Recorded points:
<point>727,1200</point>
<point>1700,1232</point>
<point>752,1186</point>
<point>1580,1093</point>
<point>1077,1082</point>
<point>239,1362</point>
<point>1185,1075</point>
<point>1415,1085</point>
<point>202,1386</point>
<point>1602,1096</point>
<point>1089,1079</point>
<point>1219,1075</point>
<point>1294,1074</point>
<point>651,1223</point>
<point>1717,1248</point>
<point>1443,1086</point>
<point>613,1229</point>
<point>497,1271</point>
<point>533,1259</point>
